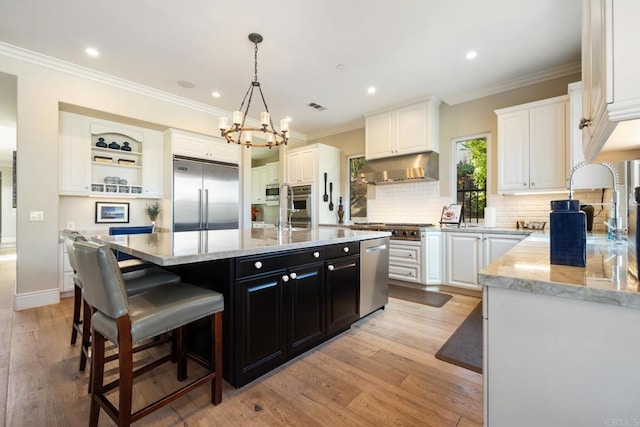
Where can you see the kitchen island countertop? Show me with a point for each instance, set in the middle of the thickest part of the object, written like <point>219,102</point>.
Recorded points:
<point>167,249</point>
<point>605,279</point>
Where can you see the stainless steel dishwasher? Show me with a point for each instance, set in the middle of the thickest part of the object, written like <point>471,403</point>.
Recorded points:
<point>374,275</point>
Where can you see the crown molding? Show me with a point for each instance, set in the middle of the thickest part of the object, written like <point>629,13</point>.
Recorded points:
<point>530,79</point>
<point>336,130</point>
<point>116,82</point>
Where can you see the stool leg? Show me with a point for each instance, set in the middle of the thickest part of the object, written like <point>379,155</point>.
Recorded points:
<point>125,359</point>
<point>97,376</point>
<point>77,302</point>
<point>86,334</point>
<point>216,357</point>
<point>181,353</point>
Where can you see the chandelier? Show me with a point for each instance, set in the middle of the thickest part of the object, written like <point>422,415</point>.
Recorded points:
<point>241,134</point>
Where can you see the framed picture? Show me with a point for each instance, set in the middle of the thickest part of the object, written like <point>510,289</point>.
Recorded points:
<point>451,214</point>
<point>112,213</point>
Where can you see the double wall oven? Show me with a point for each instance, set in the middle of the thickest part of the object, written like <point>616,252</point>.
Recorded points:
<point>302,216</point>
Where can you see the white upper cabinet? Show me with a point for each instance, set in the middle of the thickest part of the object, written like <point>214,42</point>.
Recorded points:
<point>99,157</point>
<point>203,147</point>
<point>611,88</point>
<point>273,172</point>
<point>532,147</point>
<point>592,175</point>
<point>406,130</point>
<point>259,176</point>
<point>301,167</point>
<point>75,154</point>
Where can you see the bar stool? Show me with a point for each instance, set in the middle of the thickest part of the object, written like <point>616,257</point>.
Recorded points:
<point>139,276</point>
<point>125,320</point>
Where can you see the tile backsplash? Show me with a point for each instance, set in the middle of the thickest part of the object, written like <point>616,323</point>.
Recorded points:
<point>420,202</point>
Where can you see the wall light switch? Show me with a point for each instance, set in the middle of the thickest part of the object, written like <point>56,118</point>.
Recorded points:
<point>71,225</point>
<point>36,216</point>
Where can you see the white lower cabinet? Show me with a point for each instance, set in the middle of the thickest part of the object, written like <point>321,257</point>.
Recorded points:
<point>468,253</point>
<point>65,276</point>
<point>464,259</point>
<point>433,251</point>
<point>404,261</point>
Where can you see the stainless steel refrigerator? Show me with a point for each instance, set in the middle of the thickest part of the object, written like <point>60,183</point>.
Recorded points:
<point>206,195</point>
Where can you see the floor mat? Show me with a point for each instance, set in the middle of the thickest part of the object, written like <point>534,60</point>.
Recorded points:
<point>433,299</point>
<point>464,347</point>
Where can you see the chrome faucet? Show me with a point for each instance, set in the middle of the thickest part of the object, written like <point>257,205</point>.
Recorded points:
<point>613,224</point>
<point>283,203</point>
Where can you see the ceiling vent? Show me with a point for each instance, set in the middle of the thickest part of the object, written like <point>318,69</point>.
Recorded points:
<point>317,106</point>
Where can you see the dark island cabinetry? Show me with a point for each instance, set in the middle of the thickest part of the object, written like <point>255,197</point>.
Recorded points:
<point>288,303</point>
<point>342,286</point>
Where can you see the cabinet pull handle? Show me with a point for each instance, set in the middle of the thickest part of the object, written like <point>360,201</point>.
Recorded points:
<point>258,265</point>
<point>316,254</point>
<point>293,276</point>
<point>285,278</point>
<point>584,123</point>
<point>345,249</point>
<point>330,267</point>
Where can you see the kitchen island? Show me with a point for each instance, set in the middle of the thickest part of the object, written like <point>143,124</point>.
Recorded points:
<point>561,344</point>
<point>285,291</point>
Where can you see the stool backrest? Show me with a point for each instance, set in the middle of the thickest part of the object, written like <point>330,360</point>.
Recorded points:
<point>102,282</point>
<point>142,229</point>
<point>70,237</point>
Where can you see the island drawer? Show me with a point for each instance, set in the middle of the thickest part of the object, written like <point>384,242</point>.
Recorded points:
<point>258,264</point>
<point>342,249</point>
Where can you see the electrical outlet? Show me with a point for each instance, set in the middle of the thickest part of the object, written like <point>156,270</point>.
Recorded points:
<point>36,216</point>
<point>71,225</point>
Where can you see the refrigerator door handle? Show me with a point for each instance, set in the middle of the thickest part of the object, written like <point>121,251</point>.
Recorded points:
<point>206,209</point>
<point>200,208</point>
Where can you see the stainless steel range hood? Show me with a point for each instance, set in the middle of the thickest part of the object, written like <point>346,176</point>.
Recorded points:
<point>407,168</point>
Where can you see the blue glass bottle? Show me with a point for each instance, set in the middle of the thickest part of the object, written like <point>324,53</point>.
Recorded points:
<point>568,233</point>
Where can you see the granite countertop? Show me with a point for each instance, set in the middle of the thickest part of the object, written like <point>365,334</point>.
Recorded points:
<point>187,247</point>
<point>606,278</point>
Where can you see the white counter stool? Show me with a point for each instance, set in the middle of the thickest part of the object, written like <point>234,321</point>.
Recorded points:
<point>126,320</point>
<point>139,276</point>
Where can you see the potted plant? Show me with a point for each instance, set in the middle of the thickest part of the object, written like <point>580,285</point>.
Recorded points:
<point>153,210</point>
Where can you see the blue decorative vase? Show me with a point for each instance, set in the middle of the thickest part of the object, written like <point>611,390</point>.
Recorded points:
<point>568,233</point>
<point>101,143</point>
<point>114,145</point>
<point>126,146</point>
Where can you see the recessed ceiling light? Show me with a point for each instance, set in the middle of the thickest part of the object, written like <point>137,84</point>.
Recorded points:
<point>92,51</point>
<point>471,54</point>
<point>371,90</point>
<point>186,84</point>
<point>216,94</point>
<point>340,66</point>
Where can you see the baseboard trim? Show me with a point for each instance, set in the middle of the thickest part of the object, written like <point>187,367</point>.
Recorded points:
<point>36,299</point>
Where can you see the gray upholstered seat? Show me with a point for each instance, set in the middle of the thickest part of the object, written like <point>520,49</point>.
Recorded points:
<point>125,320</point>
<point>138,276</point>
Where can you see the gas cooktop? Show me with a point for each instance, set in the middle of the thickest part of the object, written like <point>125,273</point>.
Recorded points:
<point>406,231</point>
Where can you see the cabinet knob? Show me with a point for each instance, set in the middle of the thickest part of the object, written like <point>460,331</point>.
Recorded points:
<point>533,183</point>
<point>316,254</point>
<point>258,265</point>
<point>524,184</point>
<point>410,255</point>
<point>330,267</point>
<point>293,276</point>
<point>345,249</point>
<point>584,123</point>
<point>285,278</point>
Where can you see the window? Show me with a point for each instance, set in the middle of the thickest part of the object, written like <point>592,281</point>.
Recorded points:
<point>471,177</point>
<point>357,189</point>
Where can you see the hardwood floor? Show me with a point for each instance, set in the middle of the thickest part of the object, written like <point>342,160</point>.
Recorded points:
<point>381,372</point>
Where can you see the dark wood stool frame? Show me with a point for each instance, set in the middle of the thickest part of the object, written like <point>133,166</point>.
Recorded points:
<point>123,415</point>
